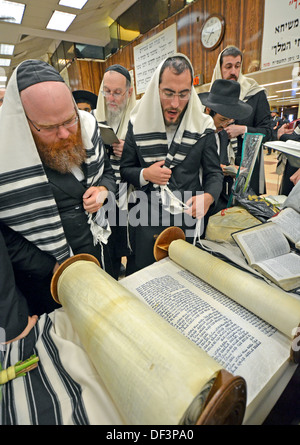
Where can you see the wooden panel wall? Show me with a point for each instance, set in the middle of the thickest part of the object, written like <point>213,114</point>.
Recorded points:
<point>244,27</point>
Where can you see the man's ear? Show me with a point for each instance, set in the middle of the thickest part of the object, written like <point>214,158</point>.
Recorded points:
<point>130,91</point>
<point>207,110</point>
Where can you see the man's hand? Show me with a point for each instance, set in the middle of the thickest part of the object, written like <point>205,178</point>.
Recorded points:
<point>94,198</point>
<point>295,177</point>
<point>199,205</point>
<point>31,322</point>
<point>56,266</point>
<point>118,148</point>
<point>234,131</point>
<point>157,174</point>
<point>284,130</point>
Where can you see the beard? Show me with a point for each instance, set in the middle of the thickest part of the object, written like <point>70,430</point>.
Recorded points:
<point>63,155</point>
<point>113,115</point>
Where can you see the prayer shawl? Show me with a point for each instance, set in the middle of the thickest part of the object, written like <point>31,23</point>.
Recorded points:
<point>100,114</point>
<point>249,87</point>
<point>150,131</point>
<point>64,389</point>
<point>26,200</point>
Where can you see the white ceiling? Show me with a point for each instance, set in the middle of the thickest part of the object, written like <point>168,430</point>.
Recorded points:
<point>33,41</point>
<point>91,27</point>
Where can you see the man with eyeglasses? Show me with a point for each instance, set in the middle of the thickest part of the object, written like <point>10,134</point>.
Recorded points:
<point>170,157</point>
<point>229,67</point>
<point>54,174</point>
<point>223,105</point>
<point>115,102</point>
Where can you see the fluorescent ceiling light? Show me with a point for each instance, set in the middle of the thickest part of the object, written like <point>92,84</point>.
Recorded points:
<point>11,11</point>
<point>3,79</point>
<point>5,62</point>
<point>276,83</point>
<point>60,21</point>
<point>271,97</point>
<point>78,4</point>
<point>6,50</point>
<point>291,89</point>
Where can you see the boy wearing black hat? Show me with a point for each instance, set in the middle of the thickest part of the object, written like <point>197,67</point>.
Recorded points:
<point>86,100</point>
<point>223,105</point>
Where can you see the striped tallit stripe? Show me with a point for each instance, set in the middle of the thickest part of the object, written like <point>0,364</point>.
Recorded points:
<point>27,204</point>
<point>46,396</point>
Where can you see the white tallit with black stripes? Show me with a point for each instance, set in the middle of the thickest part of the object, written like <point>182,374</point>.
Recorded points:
<point>64,389</point>
<point>150,132</point>
<point>26,201</point>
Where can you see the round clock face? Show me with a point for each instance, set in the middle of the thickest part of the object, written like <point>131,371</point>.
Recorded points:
<point>212,32</point>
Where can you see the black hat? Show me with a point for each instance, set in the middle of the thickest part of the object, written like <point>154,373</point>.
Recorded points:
<point>119,69</point>
<point>85,96</point>
<point>31,72</point>
<point>223,98</point>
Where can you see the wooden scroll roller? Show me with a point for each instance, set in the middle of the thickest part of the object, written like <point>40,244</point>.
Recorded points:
<point>153,373</point>
<point>270,303</point>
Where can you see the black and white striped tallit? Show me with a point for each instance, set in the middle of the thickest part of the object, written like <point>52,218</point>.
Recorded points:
<point>26,201</point>
<point>64,389</point>
<point>150,133</point>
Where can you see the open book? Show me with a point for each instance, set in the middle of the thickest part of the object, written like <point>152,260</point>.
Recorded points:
<point>267,250</point>
<point>288,220</point>
<point>289,147</point>
<point>108,135</point>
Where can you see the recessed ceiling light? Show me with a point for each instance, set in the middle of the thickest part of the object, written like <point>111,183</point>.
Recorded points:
<point>60,21</point>
<point>6,50</point>
<point>11,12</point>
<point>78,4</point>
<point>5,62</point>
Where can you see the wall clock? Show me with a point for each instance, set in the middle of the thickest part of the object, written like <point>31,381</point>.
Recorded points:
<point>212,31</point>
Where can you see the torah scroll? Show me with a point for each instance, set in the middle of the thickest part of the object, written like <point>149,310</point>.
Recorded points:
<point>270,303</point>
<point>155,375</point>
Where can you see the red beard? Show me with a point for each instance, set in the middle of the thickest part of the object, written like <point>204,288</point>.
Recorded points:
<point>63,155</point>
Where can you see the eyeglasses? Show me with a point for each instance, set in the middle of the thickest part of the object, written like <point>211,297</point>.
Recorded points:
<point>115,95</point>
<point>168,94</point>
<point>50,129</point>
<point>227,121</point>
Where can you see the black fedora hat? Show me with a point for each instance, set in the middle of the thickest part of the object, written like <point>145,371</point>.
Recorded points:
<point>223,98</point>
<point>85,96</point>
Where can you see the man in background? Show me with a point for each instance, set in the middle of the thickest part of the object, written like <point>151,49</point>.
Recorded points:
<point>115,102</point>
<point>86,100</point>
<point>288,165</point>
<point>229,67</point>
<point>223,105</point>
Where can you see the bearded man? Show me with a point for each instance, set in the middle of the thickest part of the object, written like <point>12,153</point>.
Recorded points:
<point>115,102</point>
<point>54,174</point>
<point>170,157</point>
<point>229,67</point>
